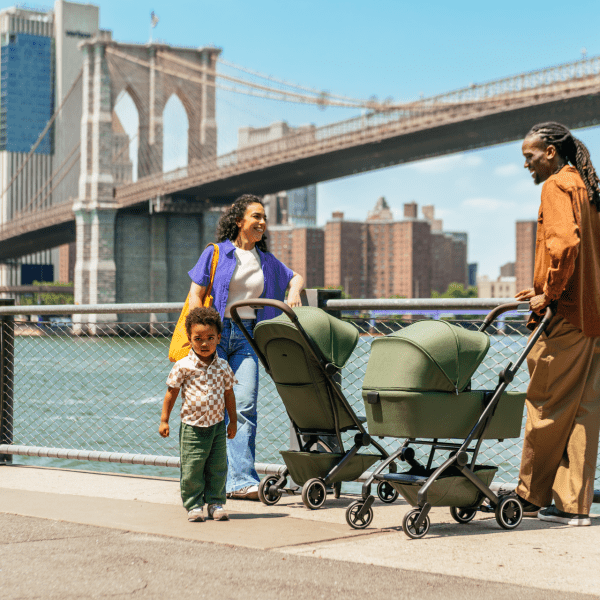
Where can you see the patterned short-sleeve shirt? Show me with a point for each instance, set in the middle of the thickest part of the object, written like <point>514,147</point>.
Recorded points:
<point>202,389</point>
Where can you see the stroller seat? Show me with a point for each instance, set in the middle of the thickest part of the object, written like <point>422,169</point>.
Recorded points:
<point>299,376</point>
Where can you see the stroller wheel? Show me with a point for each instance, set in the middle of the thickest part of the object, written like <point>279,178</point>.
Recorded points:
<point>314,494</point>
<point>265,495</point>
<point>409,528</point>
<point>386,493</point>
<point>463,515</point>
<point>355,521</point>
<point>509,512</point>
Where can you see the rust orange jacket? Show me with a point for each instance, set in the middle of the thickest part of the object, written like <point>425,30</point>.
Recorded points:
<point>567,251</point>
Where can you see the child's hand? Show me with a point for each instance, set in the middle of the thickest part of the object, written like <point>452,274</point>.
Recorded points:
<point>164,429</point>
<point>231,430</point>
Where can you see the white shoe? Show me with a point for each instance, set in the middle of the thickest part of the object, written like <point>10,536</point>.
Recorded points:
<point>196,515</point>
<point>217,513</point>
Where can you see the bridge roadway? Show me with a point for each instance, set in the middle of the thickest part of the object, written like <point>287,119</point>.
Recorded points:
<point>434,127</point>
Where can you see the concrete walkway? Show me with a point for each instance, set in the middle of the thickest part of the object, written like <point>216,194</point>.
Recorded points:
<point>79,534</point>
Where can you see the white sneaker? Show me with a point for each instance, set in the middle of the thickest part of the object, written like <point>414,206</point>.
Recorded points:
<point>196,515</point>
<point>217,513</point>
<point>250,492</point>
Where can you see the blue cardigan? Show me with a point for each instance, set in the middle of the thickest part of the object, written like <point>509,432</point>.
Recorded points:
<point>277,277</point>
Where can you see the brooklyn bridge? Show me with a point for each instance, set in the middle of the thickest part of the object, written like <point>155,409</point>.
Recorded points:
<point>81,201</point>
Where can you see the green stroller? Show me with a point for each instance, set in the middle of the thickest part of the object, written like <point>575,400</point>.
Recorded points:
<point>303,351</point>
<point>417,386</point>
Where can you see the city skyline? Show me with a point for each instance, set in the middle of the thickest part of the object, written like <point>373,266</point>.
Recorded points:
<point>408,54</point>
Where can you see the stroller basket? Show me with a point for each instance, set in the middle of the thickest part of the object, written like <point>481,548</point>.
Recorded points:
<point>306,465</point>
<point>450,489</point>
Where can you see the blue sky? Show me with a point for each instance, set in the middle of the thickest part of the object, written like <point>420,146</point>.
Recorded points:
<point>385,48</point>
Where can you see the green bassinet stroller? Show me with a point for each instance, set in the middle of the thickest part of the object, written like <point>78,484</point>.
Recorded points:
<point>418,385</point>
<point>303,351</point>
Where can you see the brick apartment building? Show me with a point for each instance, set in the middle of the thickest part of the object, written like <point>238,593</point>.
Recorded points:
<point>381,257</point>
<point>301,249</point>
<point>526,232</point>
<point>345,255</point>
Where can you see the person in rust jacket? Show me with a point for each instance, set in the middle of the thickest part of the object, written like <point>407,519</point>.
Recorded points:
<point>560,447</point>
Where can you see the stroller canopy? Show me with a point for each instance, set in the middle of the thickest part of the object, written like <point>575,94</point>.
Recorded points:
<point>426,356</point>
<point>335,339</point>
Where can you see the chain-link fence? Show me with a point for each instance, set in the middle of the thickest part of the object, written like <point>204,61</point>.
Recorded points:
<point>100,388</point>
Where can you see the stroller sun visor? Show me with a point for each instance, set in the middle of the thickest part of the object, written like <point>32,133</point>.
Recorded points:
<point>426,356</point>
<point>335,338</point>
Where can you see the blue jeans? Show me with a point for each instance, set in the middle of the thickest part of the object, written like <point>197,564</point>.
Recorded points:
<point>241,450</point>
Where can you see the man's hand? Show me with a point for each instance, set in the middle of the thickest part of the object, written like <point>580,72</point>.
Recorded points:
<point>231,430</point>
<point>527,294</point>
<point>164,429</point>
<point>539,303</point>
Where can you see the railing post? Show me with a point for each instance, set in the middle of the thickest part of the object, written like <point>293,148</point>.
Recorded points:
<point>319,298</point>
<point>7,354</point>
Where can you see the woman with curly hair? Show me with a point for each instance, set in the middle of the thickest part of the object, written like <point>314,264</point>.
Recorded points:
<point>245,269</point>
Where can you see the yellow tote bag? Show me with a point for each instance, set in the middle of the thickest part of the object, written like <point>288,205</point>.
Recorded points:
<point>180,345</point>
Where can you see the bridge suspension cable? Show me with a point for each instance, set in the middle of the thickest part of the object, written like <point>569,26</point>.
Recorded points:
<point>287,83</point>
<point>256,89</point>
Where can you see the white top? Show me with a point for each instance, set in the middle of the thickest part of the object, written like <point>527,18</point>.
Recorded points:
<point>247,281</point>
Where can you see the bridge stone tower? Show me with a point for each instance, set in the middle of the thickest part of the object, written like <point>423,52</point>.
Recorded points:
<point>150,74</point>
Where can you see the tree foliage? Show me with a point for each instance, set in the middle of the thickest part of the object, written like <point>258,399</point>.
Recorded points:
<point>457,290</point>
<point>47,298</point>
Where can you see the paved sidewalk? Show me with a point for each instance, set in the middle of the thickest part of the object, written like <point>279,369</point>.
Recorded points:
<point>121,535</point>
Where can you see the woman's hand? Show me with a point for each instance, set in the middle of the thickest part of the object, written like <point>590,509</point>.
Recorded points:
<point>295,286</point>
<point>293,299</point>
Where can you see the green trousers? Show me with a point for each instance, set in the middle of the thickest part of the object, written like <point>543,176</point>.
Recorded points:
<point>203,452</point>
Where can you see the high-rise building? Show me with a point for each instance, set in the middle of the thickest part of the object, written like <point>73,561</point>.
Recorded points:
<point>472,268</point>
<point>381,257</point>
<point>526,232</point>
<point>39,64</point>
<point>448,254</point>
<point>507,270</point>
<point>345,255</point>
<point>301,249</point>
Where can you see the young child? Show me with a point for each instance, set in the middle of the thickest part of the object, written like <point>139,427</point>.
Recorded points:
<point>207,383</point>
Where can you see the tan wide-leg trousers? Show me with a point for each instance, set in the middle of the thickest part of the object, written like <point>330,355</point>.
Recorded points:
<point>560,447</point>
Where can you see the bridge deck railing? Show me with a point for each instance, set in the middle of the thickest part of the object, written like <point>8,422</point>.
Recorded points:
<point>92,390</point>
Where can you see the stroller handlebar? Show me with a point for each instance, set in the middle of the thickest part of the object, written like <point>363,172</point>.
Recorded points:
<point>518,306</point>
<point>260,303</point>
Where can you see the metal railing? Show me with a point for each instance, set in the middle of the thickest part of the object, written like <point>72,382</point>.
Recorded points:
<point>78,394</point>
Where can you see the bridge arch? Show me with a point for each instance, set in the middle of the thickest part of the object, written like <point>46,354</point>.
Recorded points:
<point>176,131</point>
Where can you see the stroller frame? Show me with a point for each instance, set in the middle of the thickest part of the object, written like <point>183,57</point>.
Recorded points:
<point>314,490</point>
<point>508,509</point>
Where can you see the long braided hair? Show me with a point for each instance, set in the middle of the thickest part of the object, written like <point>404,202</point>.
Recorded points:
<point>573,151</point>
<point>227,229</point>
